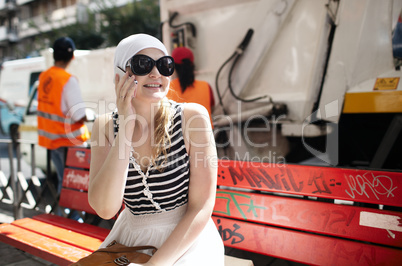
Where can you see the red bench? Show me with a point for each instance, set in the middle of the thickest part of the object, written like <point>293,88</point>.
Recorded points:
<point>283,211</point>
<point>55,238</point>
<point>288,211</point>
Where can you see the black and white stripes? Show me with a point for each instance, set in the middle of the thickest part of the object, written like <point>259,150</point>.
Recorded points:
<point>157,191</point>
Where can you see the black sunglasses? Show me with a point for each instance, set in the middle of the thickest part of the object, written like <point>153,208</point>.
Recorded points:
<point>142,65</point>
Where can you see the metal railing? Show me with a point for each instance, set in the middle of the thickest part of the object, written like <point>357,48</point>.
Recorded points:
<point>26,192</point>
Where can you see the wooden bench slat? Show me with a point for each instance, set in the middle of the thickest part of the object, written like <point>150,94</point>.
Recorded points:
<point>319,217</point>
<point>70,237</point>
<point>69,224</point>
<point>303,247</point>
<point>77,200</point>
<point>377,187</point>
<point>41,246</point>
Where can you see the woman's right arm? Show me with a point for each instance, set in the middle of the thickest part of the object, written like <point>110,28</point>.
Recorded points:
<point>110,157</point>
<point>108,170</point>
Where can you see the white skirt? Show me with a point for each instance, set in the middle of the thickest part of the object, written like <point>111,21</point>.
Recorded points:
<point>154,229</point>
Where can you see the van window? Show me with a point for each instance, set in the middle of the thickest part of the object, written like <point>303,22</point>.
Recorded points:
<point>34,77</point>
<point>33,103</point>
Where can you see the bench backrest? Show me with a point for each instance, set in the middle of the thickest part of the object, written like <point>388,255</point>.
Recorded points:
<point>287,211</point>
<point>74,192</point>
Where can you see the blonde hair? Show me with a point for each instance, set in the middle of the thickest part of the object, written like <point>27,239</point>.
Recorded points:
<point>161,133</point>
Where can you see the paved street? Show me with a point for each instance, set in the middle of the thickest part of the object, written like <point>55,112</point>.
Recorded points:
<point>13,257</point>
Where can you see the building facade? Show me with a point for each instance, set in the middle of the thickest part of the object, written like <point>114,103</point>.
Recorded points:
<point>23,20</point>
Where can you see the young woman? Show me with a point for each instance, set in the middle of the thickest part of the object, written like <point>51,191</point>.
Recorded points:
<point>159,158</point>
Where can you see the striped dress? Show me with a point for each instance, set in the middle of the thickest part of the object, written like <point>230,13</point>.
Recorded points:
<point>155,201</point>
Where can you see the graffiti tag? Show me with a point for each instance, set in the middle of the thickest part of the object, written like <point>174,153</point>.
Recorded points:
<point>369,184</point>
<point>232,199</point>
<point>285,179</point>
<point>228,234</point>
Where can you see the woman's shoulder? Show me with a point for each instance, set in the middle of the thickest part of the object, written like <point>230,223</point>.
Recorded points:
<point>195,112</point>
<point>194,108</point>
<point>188,109</point>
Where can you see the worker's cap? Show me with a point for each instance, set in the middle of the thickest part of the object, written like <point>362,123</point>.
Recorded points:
<point>181,53</point>
<point>63,49</point>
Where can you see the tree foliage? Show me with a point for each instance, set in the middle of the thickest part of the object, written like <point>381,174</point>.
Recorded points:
<point>136,17</point>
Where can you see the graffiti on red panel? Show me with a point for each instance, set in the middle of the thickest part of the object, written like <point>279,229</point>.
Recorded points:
<point>367,184</point>
<point>335,221</point>
<point>230,203</point>
<point>283,179</point>
<point>230,234</point>
<point>359,255</point>
<point>238,201</point>
<point>82,156</point>
<point>79,179</point>
<point>370,184</point>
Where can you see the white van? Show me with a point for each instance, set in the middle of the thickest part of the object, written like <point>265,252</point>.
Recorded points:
<point>16,80</point>
<point>94,71</point>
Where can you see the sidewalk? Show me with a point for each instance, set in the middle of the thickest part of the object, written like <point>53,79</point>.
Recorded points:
<point>11,256</point>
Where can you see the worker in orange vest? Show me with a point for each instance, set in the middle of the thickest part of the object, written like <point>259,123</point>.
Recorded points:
<point>61,110</point>
<point>185,88</point>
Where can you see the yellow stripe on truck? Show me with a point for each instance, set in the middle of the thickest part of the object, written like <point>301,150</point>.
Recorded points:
<point>373,102</point>
<point>24,128</point>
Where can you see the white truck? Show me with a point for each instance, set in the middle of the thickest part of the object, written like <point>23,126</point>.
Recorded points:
<point>297,80</point>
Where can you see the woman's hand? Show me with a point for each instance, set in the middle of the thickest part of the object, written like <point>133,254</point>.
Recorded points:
<point>126,90</point>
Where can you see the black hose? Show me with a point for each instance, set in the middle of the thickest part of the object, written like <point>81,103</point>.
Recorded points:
<point>172,17</point>
<point>230,84</point>
<point>243,45</point>
<point>237,54</point>
<point>217,78</point>
<point>192,27</point>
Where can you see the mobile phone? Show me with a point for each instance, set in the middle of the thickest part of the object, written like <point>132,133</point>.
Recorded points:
<point>119,71</point>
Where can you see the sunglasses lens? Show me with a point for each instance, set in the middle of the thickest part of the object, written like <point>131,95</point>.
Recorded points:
<point>142,65</point>
<point>165,65</point>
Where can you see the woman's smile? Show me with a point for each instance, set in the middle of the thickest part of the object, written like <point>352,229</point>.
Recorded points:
<point>153,85</point>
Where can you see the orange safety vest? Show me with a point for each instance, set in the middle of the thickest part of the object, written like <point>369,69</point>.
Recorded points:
<point>54,128</point>
<point>199,93</point>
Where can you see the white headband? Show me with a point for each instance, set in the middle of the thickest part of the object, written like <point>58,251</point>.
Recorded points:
<point>131,45</point>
